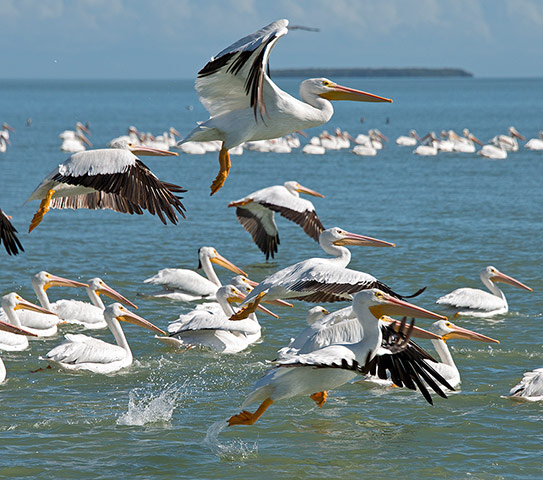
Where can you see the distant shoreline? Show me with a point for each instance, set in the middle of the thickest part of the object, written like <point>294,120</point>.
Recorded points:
<point>371,72</point>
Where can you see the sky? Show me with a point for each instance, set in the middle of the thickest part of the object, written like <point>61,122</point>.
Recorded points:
<point>173,39</point>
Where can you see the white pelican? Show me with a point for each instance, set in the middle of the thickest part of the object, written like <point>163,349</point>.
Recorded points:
<point>255,212</point>
<point>245,104</point>
<point>89,315</point>
<point>478,303</point>
<point>465,144</point>
<point>5,131</point>
<point>332,366</point>
<point>13,330</point>
<point>3,143</point>
<point>364,150</point>
<point>132,137</point>
<point>213,328</point>
<point>535,143</point>
<point>311,149</point>
<point>75,144</point>
<point>186,285</point>
<point>113,178</point>
<point>408,141</point>
<point>8,235</point>
<point>81,352</point>
<point>429,147</point>
<point>530,388</point>
<point>11,303</point>
<point>497,151</point>
<point>509,142</point>
<point>69,134</point>
<point>445,144</point>
<point>319,279</point>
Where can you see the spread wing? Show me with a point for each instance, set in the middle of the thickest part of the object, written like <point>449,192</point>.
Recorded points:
<point>83,349</point>
<point>236,78</point>
<point>8,235</point>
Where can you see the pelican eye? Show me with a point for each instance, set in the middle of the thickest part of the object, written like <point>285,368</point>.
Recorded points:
<point>327,83</point>
<point>448,324</point>
<point>379,295</point>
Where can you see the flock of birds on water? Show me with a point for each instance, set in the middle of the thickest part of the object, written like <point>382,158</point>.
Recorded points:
<point>247,110</point>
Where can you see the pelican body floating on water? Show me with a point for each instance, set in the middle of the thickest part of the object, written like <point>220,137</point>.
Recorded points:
<point>245,104</point>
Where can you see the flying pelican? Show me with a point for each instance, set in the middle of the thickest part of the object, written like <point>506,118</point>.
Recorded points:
<point>213,329</point>
<point>535,143</point>
<point>11,341</point>
<point>255,212</point>
<point>12,330</point>
<point>408,141</point>
<point>478,303</point>
<point>89,315</point>
<point>245,104</point>
<point>186,285</point>
<point>530,388</point>
<point>8,235</point>
<point>326,368</point>
<point>112,178</point>
<point>81,352</point>
<point>45,325</point>
<point>319,279</point>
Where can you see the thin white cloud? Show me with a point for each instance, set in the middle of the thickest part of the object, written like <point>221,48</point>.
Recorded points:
<point>530,12</point>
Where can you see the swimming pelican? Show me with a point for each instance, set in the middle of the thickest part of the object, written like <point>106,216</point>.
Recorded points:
<point>132,137</point>
<point>12,330</point>
<point>255,212</point>
<point>75,144</point>
<point>497,151</point>
<point>319,279</point>
<point>3,143</point>
<point>530,388</point>
<point>11,304</point>
<point>213,329</point>
<point>8,235</point>
<point>408,141</point>
<point>45,325</point>
<point>327,368</point>
<point>535,143</point>
<point>89,315</point>
<point>81,352</point>
<point>113,178</point>
<point>245,104</point>
<point>311,149</point>
<point>428,145</point>
<point>465,144</point>
<point>508,142</point>
<point>186,285</point>
<point>478,303</point>
<point>5,131</point>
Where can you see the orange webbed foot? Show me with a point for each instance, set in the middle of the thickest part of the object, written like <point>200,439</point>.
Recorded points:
<point>319,398</point>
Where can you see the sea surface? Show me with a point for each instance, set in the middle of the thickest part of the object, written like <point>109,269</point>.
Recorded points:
<point>164,417</point>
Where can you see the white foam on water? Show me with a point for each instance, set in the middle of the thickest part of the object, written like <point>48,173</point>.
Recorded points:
<point>145,408</point>
<point>234,450</point>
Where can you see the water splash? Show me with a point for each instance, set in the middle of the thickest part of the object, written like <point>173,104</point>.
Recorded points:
<point>145,408</point>
<point>234,450</point>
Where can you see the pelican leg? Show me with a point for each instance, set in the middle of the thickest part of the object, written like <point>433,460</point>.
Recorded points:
<point>44,208</point>
<point>248,418</point>
<point>245,311</point>
<point>224,162</point>
<point>319,398</point>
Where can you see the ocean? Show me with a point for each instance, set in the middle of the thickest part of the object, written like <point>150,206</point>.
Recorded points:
<point>164,417</point>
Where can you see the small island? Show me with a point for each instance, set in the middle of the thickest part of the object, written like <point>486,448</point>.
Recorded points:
<point>371,72</point>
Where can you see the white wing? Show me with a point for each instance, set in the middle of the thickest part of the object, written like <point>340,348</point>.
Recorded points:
<point>183,280</point>
<point>77,310</point>
<point>235,79</point>
<point>83,349</point>
<point>209,320</point>
<point>531,385</point>
<point>331,356</point>
<point>471,298</point>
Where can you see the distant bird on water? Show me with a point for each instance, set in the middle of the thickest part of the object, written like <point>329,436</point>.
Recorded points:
<point>244,103</point>
<point>256,211</point>
<point>113,178</point>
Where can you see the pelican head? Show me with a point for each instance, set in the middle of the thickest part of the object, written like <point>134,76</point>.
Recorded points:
<point>5,126</point>
<point>213,256</point>
<point>98,286</point>
<point>380,303</point>
<point>329,90</point>
<point>494,275</point>
<point>515,133</point>
<point>118,312</point>
<point>43,280</point>
<point>315,314</point>
<point>13,301</point>
<point>339,237</point>
<point>295,188</point>
<point>447,330</point>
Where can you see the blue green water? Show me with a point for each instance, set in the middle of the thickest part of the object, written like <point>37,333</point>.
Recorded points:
<point>162,418</point>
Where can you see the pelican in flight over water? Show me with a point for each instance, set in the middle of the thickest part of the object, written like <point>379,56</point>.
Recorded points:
<point>8,235</point>
<point>81,352</point>
<point>113,178</point>
<point>327,368</point>
<point>186,285</point>
<point>255,212</point>
<point>478,303</point>
<point>245,105</point>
